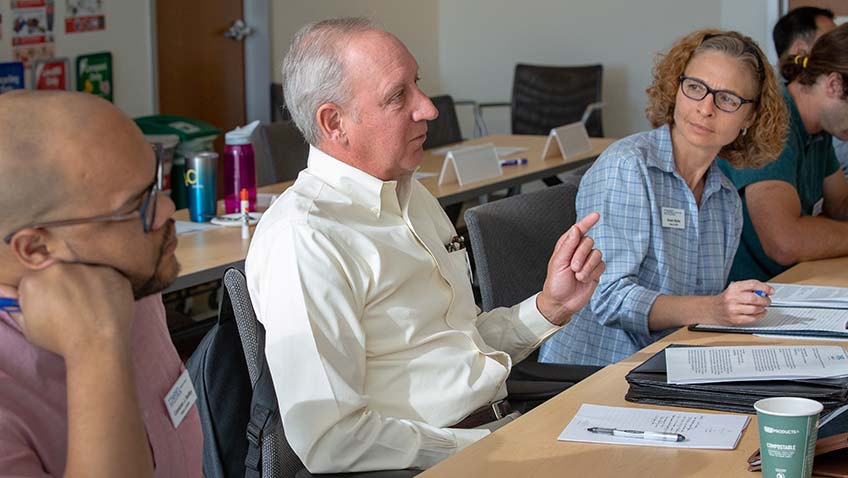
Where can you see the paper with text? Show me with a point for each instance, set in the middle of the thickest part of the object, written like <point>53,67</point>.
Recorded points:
<point>687,365</point>
<point>702,430</point>
<point>793,319</point>
<point>793,295</point>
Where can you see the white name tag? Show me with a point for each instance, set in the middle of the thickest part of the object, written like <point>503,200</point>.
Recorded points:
<point>673,218</point>
<point>817,207</point>
<point>180,399</point>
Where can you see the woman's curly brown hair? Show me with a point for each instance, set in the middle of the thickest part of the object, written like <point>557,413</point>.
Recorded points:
<point>766,136</point>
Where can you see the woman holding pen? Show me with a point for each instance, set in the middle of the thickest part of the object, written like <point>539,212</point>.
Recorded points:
<point>670,219</point>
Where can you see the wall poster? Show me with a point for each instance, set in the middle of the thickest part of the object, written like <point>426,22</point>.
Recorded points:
<point>32,30</point>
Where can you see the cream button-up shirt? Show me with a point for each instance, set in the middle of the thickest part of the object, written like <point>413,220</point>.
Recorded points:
<point>373,339</point>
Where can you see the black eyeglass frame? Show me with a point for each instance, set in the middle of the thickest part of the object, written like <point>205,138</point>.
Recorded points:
<point>742,101</point>
<point>150,201</point>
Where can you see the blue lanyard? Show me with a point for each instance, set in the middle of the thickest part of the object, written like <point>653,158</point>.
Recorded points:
<point>9,305</point>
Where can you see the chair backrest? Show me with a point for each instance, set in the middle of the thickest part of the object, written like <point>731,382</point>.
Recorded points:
<point>281,152</point>
<point>444,129</point>
<point>264,428</point>
<point>279,112</point>
<point>544,97</point>
<point>277,457</point>
<point>513,238</point>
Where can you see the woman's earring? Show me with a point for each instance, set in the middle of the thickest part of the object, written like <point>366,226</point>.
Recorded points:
<point>744,131</point>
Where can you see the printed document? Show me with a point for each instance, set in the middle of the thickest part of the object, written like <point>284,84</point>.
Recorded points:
<point>794,295</point>
<point>792,319</point>
<point>701,430</point>
<point>688,365</point>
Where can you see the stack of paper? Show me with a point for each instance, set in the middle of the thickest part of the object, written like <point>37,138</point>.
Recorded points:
<point>791,321</point>
<point>649,384</point>
<point>793,295</point>
<point>688,365</point>
<point>700,430</point>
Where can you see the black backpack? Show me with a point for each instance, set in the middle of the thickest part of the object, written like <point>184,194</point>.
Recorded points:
<point>236,418</point>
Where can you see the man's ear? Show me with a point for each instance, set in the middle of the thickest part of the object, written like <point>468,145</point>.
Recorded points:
<point>34,248</point>
<point>329,117</point>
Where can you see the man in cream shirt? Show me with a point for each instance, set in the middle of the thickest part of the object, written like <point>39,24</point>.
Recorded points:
<point>379,355</point>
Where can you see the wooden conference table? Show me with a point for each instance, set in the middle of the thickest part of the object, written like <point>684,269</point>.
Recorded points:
<point>529,446</point>
<point>205,255</point>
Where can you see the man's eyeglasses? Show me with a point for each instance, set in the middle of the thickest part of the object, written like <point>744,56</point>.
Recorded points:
<point>146,211</point>
<point>697,90</point>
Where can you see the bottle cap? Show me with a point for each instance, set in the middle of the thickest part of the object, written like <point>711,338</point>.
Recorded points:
<point>243,196</point>
<point>242,134</point>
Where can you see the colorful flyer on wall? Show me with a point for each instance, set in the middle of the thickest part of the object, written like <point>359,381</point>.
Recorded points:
<point>84,16</point>
<point>94,74</point>
<point>11,76</point>
<point>52,74</point>
<point>32,30</point>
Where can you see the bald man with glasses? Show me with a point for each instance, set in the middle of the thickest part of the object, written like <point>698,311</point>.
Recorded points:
<point>88,374</point>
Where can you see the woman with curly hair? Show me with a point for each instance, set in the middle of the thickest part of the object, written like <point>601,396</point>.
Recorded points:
<point>796,208</point>
<point>670,219</point>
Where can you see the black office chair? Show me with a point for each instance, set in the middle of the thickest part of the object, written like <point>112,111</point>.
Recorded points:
<point>444,129</point>
<point>279,112</point>
<point>281,152</point>
<point>277,457</point>
<point>512,240</point>
<point>545,97</point>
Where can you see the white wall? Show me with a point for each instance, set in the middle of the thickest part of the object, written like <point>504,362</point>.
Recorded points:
<point>466,48</point>
<point>480,41</point>
<point>414,22</point>
<point>127,36</point>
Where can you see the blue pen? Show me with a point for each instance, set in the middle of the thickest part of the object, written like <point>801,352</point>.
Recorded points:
<point>9,305</point>
<point>761,293</point>
<point>513,162</point>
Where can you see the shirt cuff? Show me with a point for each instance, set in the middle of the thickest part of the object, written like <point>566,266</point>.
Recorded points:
<point>639,302</point>
<point>536,323</point>
<point>465,437</point>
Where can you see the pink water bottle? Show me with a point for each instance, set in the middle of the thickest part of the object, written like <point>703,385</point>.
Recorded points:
<point>239,168</point>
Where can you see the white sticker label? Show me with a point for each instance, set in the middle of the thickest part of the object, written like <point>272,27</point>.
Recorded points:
<point>673,218</point>
<point>817,207</point>
<point>180,398</point>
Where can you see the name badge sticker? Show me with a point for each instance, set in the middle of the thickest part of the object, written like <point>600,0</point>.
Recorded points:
<point>673,218</point>
<point>180,399</point>
<point>817,207</point>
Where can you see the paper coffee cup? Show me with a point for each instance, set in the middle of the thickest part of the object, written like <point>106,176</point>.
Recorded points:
<point>788,429</point>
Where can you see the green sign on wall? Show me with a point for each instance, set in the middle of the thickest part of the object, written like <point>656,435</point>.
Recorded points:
<point>94,74</point>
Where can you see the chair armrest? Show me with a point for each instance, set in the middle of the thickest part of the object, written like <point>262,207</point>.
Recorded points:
<point>480,128</point>
<point>494,105</point>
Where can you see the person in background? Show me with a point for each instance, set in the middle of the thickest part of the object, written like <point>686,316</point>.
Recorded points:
<point>794,34</point>
<point>796,207</point>
<point>796,31</point>
<point>86,360</point>
<point>670,219</point>
<point>380,357</point>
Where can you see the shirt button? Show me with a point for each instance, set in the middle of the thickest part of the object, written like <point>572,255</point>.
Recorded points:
<point>697,281</point>
<point>375,210</point>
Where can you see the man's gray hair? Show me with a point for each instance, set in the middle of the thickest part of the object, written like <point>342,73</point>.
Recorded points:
<point>313,70</point>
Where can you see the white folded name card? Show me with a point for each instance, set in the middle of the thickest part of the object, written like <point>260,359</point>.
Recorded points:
<point>469,165</point>
<point>571,139</point>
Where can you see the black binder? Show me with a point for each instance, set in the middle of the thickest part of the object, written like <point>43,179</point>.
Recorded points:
<point>648,385</point>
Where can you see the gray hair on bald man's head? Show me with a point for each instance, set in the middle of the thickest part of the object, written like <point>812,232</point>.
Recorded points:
<point>313,70</point>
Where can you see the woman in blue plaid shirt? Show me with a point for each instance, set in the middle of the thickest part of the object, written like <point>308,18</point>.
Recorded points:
<point>670,219</point>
